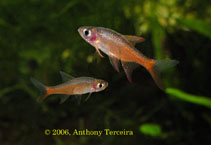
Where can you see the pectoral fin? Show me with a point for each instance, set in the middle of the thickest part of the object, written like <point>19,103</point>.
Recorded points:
<point>134,39</point>
<point>115,63</point>
<point>65,76</point>
<point>98,51</point>
<point>128,68</point>
<point>88,97</point>
<point>64,98</point>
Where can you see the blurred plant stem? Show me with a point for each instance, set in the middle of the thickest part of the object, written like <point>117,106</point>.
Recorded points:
<point>20,86</point>
<point>201,100</point>
<point>198,25</point>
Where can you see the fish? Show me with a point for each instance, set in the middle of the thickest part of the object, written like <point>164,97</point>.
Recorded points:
<point>71,86</point>
<point>121,48</point>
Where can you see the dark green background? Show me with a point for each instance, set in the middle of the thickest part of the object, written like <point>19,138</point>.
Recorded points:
<point>39,38</point>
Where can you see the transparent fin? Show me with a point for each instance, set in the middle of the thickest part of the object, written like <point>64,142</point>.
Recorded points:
<point>128,68</point>
<point>78,98</point>
<point>156,77</point>
<point>42,88</point>
<point>98,51</point>
<point>65,76</point>
<point>158,66</point>
<point>161,65</point>
<point>115,63</point>
<point>88,97</point>
<point>134,39</point>
<point>64,98</point>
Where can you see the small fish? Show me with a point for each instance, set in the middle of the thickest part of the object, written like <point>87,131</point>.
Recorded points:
<point>71,86</point>
<point>120,47</point>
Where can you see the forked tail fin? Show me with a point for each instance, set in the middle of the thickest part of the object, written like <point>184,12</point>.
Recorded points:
<point>156,67</point>
<point>42,88</point>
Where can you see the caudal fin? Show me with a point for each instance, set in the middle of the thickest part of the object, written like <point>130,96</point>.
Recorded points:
<point>41,87</point>
<point>157,66</point>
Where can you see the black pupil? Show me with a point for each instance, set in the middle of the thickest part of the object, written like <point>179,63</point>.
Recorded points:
<point>86,32</point>
<point>100,85</point>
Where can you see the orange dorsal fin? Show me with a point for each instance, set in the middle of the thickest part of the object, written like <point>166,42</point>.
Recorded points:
<point>134,39</point>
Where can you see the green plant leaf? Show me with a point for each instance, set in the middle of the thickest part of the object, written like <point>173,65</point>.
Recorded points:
<point>201,100</point>
<point>151,129</point>
<point>200,26</point>
<point>158,34</point>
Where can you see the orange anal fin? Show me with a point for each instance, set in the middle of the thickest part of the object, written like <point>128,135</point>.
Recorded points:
<point>115,63</point>
<point>98,51</point>
<point>128,68</point>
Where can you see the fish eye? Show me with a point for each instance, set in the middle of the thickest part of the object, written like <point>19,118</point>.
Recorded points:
<point>100,85</point>
<point>87,32</point>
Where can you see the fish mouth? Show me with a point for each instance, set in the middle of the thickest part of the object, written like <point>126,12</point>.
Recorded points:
<point>80,30</point>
